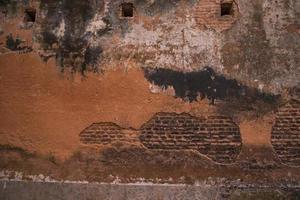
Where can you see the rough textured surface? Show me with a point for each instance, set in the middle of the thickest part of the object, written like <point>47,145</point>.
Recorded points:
<point>225,139</point>
<point>286,133</point>
<point>101,133</point>
<point>256,44</point>
<point>108,133</point>
<point>77,62</point>
<point>53,191</point>
<point>217,137</point>
<point>208,14</point>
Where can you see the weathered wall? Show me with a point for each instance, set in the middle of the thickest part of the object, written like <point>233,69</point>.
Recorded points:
<point>172,56</point>
<point>256,45</point>
<point>285,133</point>
<point>217,137</point>
<point>101,133</point>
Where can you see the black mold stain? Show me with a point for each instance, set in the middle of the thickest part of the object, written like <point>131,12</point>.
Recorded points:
<point>207,83</point>
<point>91,58</point>
<point>73,50</point>
<point>4,3</point>
<point>9,7</point>
<point>17,44</point>
<point>141,7</point>
<point>11,43</point>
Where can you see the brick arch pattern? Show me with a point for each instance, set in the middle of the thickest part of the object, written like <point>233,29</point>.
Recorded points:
<point>285,137</point>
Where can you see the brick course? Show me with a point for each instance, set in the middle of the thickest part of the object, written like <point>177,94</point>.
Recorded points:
<point>207,13</point>
<point>101,133</point>
<point>286,133</point>
<point>218,137</point>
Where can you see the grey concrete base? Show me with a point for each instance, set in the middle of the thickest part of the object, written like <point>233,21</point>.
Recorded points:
<point>22,190</point>
<point>14,190</point>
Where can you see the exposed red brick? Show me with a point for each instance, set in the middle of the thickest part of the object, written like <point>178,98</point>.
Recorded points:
<point>286,133</point>
<point>101,133</point>
<point>207,13</point>
<point>218,137</point>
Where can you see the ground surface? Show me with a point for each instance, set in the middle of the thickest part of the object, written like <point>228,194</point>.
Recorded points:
<point>140,191</point>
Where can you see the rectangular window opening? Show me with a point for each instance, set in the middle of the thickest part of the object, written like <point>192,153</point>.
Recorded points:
<point>226,9</point>
<point>30,15</point>
<point>127,10</point>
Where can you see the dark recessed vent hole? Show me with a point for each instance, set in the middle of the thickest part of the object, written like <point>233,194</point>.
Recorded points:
<point>226,9</point>
<point>127,10</point>
<point>30,14</point>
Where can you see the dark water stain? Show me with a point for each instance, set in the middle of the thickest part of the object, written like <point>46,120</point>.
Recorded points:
<point>4,3</point>
<point>73,49</point>
<point>9,8</point>
<point>206,83</point>
<point>141,7</point>
<point>91,57</point>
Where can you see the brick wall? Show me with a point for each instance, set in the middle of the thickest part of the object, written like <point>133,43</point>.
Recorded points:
<point>218,137</point>
<point>286,133</point>
<point>225,138</point>
<point>101,133</point>
<point>171,131</point>
<point>207,13</point>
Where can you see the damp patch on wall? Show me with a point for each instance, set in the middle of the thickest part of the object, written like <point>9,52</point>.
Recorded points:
<point>68,30</point>
<point>206,83</point>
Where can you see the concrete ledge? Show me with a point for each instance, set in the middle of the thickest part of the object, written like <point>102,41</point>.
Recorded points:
<point>16,190</point>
